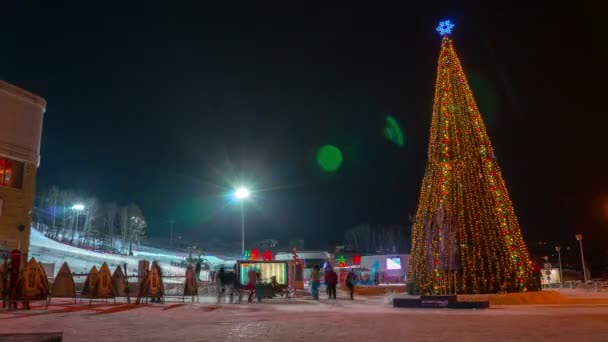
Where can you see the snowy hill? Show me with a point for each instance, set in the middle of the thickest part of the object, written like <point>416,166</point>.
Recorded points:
<point>46,250</point>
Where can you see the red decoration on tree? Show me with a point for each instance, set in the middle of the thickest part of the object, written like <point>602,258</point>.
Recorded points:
<point>255,255</point>
<point>357,259</point>
<point>267,255</point>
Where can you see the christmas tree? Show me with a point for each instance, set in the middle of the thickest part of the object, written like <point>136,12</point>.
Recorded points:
<point>466,237</point>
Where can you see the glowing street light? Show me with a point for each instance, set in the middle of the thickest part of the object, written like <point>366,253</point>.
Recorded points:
<point>241,194</point>
<point>78,207</point>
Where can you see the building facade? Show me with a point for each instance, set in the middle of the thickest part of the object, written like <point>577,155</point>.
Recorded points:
<point>21,116</point>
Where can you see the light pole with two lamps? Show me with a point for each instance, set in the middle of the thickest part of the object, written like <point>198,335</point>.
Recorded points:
<point>559,256</point>
<point>241,194</point>
<point>579,238</point>
<point>77,208</point>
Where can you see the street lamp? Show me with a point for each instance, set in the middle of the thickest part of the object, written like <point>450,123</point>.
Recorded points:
<point>579,238</point>
<point>559,256</point>
<point>241,194</point>
<point>78,207</point>
<point>171,233</point>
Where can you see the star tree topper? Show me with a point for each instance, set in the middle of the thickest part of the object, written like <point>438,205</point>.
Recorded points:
<point>445,27</point>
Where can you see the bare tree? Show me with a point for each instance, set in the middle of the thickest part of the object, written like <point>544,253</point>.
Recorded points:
<point>90,212</point>
<point>382,239</point>
<point>53,201</point>
<point>56,215</point>
<point>111,211</point>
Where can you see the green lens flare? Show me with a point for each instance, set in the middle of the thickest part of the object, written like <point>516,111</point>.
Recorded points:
<point>393,132</point>
<point>329,158</point>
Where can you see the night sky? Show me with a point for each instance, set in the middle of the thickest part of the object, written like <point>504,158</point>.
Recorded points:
<point>168,105</point>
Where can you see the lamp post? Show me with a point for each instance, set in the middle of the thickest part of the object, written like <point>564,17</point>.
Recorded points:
<point>241,194</point>
<point>579,238</point>
<point>77,207</point>
<point>547,270</point>
<point>559,258</point>
<point>171,233</point>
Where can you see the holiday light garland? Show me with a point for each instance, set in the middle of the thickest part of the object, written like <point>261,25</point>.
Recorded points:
<point>466,237</point>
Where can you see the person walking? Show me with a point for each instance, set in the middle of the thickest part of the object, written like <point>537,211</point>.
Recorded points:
<point>251,282</point>
<point>259,287</point>
<point>221,284</point>
<point>197,272</point>
<point>315,280</point>
<point>331,280</point>
<point>236,287</point>
<point>350,283</point>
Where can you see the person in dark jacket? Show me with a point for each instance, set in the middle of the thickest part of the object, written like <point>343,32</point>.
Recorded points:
<point>221,284</point>
<point>331,280</point>
<point>350,283</point>
<point>252,279</point>
<point>197,272</point>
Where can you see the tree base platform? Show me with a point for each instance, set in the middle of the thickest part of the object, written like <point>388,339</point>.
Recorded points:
<point>439,302</point>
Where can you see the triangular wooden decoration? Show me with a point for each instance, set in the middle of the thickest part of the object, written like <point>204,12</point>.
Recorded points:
<point>155,283</point>
<point>44,277</point>
<point>191,286</point>
<point>102,287</point>
<point>32,284</point>
<point>118,283</point>
<point>63,286</point>
<point>90,281</point>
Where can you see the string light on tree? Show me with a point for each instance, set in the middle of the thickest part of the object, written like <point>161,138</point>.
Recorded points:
<point>466,237</point>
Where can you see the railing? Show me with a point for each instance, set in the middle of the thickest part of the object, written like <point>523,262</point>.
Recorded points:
<point>590,285</point>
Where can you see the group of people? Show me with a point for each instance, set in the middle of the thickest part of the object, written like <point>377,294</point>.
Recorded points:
<point>228,282</point>
<point>331,281</point>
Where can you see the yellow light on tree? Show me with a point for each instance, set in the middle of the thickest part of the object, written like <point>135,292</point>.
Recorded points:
<point>466,237</point>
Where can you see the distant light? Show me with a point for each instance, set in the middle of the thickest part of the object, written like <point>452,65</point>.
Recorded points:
<point>329,158</point>
<point>393,132</point>
<point>445,27</point>
<point>242,193</point>
<point>78,207</point>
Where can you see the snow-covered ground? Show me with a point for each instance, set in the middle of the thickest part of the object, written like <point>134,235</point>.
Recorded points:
<point>81,261</point>
<point>307,320</point>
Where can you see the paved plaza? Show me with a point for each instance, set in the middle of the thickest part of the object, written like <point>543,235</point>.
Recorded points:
<point>365,319</point>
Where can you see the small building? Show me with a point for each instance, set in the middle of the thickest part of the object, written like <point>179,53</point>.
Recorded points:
<point>310,258</point>
<point>20,131</point>
<point>393,268</point>
<point>550,276</point>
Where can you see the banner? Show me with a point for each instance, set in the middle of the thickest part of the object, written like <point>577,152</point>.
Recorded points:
<point>63,286</point>
<point>32,284</point>
<point>44,276</point>
<point>155,283</point>
<point>102,287</point>
<point>118,283</point>
<point>191,286</point>
<point>90,282</point>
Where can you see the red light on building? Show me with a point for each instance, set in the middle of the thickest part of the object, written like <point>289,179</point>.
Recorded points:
<point>357,259</point>
<point>255,255</point>
<point>267,255</point>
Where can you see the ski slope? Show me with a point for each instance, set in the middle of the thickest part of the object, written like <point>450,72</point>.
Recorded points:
<point>49,251</point>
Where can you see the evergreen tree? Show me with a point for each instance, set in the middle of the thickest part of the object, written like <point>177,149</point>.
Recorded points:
<point>465,236</point>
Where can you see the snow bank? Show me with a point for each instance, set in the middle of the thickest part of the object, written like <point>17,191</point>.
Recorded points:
<point>81,261</point>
